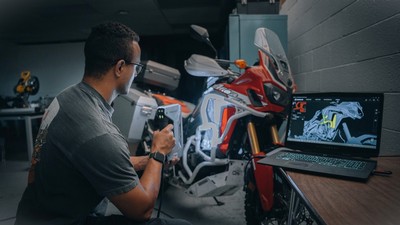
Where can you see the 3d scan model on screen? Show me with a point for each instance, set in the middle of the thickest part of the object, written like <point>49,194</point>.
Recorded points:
<point>332,123</point>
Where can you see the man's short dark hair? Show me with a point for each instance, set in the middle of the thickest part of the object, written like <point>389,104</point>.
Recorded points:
<point>106,44</point>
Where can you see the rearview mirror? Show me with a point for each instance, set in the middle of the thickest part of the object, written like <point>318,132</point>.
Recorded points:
<point>199,33</point>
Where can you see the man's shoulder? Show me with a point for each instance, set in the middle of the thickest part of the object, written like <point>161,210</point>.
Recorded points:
<point>72,90</point>
<point>74,98</point>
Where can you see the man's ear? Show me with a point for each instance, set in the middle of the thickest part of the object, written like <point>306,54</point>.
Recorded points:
<point>119,67</point>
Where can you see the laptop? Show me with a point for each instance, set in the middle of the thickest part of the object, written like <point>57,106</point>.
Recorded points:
<point>331,134</point>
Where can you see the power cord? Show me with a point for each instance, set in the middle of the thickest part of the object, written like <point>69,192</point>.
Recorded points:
<point>385,173</point>
<point>160,196</point>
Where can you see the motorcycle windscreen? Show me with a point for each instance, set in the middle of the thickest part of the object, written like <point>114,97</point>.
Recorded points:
<point>268,42</point>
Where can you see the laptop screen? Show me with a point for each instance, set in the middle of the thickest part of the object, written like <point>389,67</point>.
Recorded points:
<point>336,123</point>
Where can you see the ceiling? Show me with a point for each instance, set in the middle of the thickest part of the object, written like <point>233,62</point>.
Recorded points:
<point>58,21</point>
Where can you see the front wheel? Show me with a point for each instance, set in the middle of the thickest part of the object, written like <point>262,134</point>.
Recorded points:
<point>255,215</point>
<point>252,208</point>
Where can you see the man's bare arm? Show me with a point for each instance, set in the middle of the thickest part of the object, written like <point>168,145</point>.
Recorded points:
<point>139,162</point>
<point>139,202</point>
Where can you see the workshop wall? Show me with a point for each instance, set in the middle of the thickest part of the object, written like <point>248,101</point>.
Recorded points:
<point>56,65</point>
<point>348,46</point>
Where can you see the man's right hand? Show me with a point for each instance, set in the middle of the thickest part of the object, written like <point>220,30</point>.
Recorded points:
<point>163,141</point>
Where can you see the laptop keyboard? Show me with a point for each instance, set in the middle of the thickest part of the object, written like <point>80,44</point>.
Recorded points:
<point>323,160</point>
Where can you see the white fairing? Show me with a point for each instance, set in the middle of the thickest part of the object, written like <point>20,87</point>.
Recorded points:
<point>203,66</point>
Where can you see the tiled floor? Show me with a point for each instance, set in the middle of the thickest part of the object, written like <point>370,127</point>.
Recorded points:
<point>13,179</point>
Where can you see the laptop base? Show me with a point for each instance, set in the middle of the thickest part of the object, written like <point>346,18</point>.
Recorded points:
<point>321,168</point>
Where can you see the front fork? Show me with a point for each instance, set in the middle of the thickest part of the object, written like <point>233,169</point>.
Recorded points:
<point>263,175</point>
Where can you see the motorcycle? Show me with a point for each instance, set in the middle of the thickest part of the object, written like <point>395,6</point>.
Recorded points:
<point>234,124</point>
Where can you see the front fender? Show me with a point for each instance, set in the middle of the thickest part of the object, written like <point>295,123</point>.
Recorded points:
<point>261,177</point>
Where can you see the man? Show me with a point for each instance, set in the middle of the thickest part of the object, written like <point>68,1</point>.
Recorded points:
<point>81,158</point>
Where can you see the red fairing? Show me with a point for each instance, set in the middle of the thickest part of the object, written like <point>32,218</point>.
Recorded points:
<point>254,79</point>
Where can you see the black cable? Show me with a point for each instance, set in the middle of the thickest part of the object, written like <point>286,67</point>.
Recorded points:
<point>160,196</point>
<point>385,173</point>
<point>164,213</point>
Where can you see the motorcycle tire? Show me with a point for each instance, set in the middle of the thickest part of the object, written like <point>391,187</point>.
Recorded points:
<point>252,207</point>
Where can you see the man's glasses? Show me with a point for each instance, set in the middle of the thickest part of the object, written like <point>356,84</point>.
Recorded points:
<point>138,66</point>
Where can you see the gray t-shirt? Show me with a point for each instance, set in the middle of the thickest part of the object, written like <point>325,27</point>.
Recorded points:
<point>80,157</point>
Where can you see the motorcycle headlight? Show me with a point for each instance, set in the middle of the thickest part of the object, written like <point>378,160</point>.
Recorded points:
<point>276,95</point>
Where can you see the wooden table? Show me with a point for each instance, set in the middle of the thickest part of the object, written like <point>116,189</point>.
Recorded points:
<point>338,201</point>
